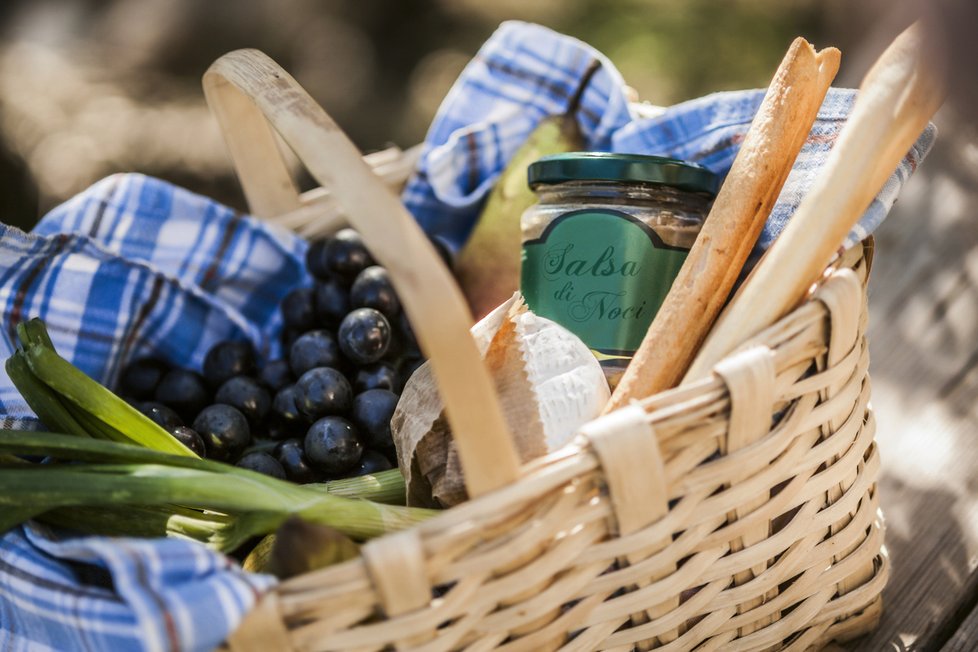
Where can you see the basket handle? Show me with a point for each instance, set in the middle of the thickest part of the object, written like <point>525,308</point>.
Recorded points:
<point>250,95</point>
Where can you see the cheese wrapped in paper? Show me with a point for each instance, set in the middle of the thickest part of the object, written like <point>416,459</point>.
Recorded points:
<point>549,384</point>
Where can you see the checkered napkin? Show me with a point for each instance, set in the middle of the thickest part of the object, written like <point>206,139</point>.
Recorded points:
<point>129,267</point>
<point>134,266</point>
<point>526,72</point>
<point>94,593</point>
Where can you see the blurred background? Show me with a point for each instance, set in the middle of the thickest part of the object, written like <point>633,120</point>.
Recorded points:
<point>92,87</point>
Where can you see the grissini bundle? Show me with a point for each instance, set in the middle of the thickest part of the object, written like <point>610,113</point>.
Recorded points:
<point>774,139</point>
<point>897,98</point>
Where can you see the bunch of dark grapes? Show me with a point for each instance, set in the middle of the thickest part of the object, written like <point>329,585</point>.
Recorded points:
<point>324,410</point>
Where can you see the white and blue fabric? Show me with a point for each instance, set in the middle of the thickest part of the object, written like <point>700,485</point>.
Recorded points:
<point>130,267</point>
<point>525,73</point>
<point>135,266</point>
<point>95,593</point>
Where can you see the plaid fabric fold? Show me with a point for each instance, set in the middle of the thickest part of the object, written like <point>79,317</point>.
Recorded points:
<point>133,266</point>
<point>526,72</point>
<point>129,267</point>
<point>94,593</point>
<point>521,75</point>
<point>234,261</point>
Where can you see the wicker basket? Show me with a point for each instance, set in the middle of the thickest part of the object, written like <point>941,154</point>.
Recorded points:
<point>737,513</point>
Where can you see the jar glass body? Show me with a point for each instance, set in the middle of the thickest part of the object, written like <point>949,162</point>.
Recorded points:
<point>675,215</point>
<point>599,257</point>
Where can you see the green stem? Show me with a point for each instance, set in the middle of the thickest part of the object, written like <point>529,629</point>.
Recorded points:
<point>33,331</point>
<point>14,516</point>
<point>261,506</point>
<point>362,519</point>
<point>96,428</point>
<point>139,521</point>
<point>45,403</point>
<point>73,385</point>
<point>122,475</point>
<point>384,487</point>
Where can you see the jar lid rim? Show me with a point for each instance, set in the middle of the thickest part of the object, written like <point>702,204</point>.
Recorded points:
<point>627,168</point>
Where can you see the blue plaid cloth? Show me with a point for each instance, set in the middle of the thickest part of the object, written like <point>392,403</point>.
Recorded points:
<point>130,267</point>
<point>135,266</point>
<point>526,72</point>
<point>93,593</point>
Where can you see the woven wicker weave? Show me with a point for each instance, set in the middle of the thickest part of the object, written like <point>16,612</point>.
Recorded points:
<point>737,513</point>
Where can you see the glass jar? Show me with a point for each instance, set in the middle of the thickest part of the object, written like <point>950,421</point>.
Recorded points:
<point>605,241</point>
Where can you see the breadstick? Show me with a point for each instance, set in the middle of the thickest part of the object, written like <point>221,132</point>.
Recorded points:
<point>899,94</point>
<point>758,173</point>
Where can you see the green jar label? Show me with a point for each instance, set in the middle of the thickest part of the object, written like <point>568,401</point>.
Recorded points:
<point>602,274</point>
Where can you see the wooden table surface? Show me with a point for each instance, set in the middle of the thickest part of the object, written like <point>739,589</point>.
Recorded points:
<point>924,369</point>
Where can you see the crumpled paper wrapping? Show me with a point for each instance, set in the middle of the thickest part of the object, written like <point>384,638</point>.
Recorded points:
<point>562,372</point>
